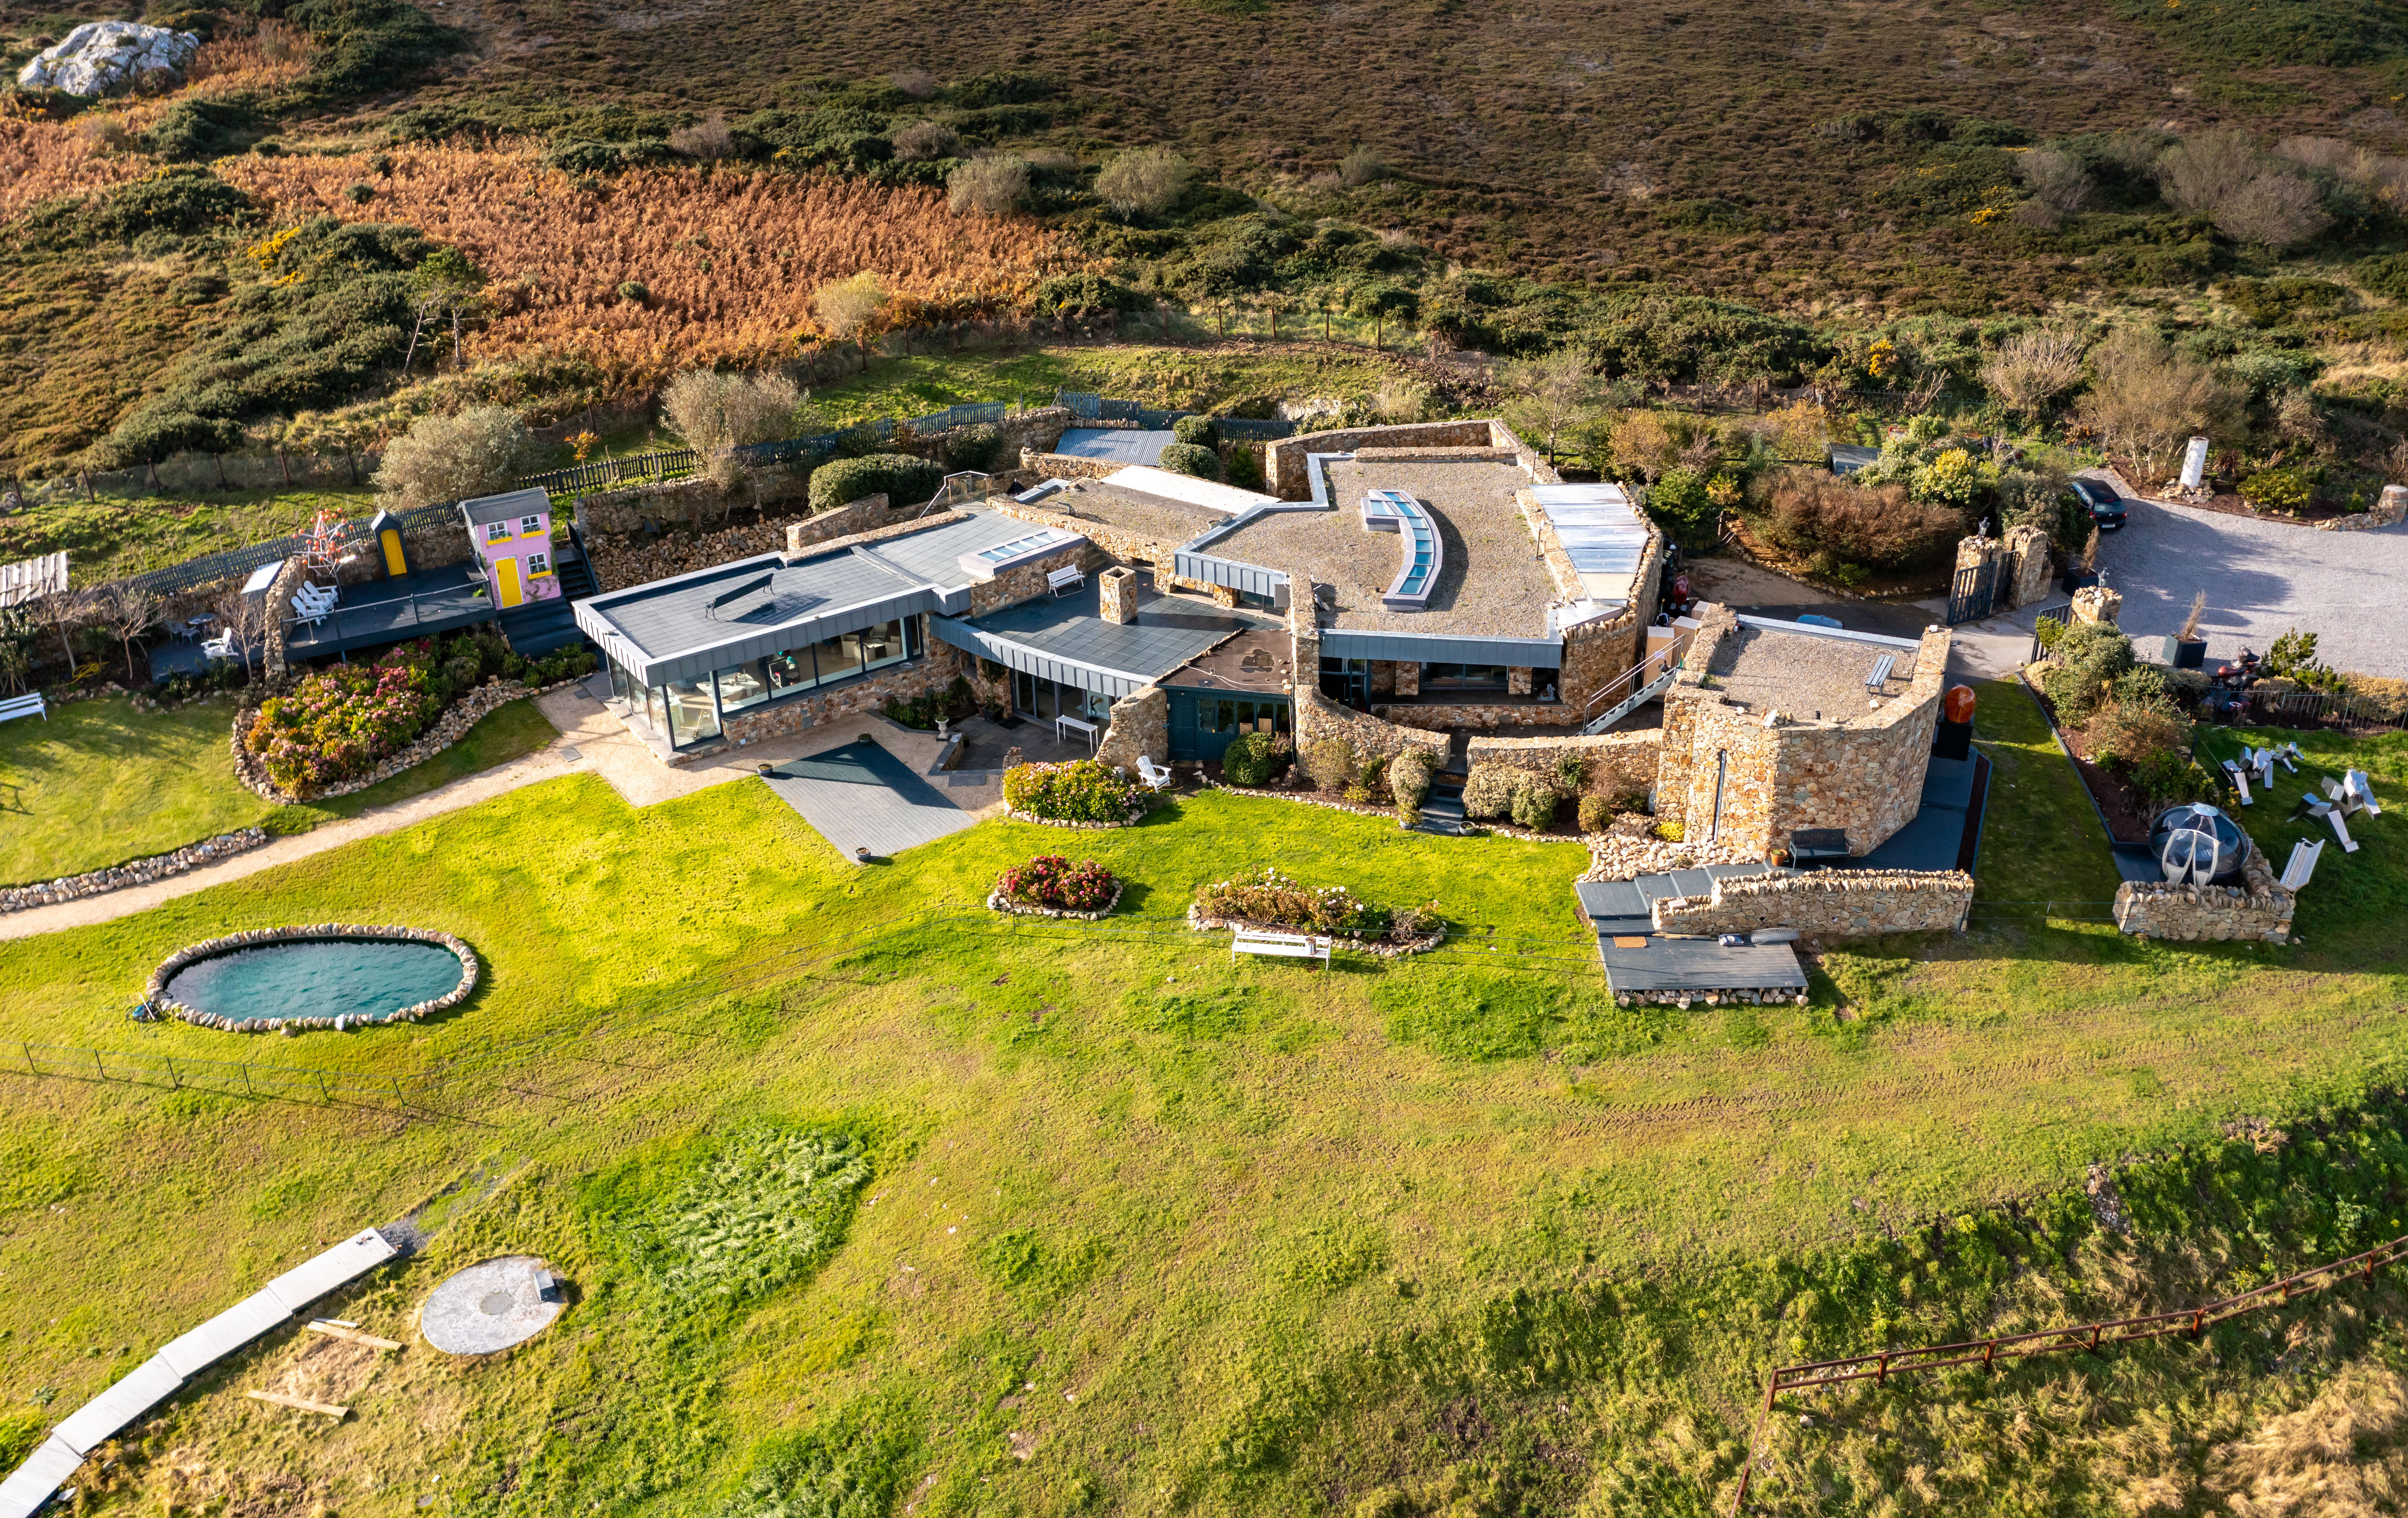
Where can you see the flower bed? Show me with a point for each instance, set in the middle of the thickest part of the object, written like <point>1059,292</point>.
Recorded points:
<point>1050,885</point>
<point>1082,792</point>
<point>1275,903</point>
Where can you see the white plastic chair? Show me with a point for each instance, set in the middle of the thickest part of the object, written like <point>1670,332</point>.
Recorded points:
<point>1155,779</point>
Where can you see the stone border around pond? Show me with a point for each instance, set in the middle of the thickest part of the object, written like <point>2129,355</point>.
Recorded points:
<point>156,1000</point>
<point>1197,921</point>
<point>997,901</point>
<point>24,899</point>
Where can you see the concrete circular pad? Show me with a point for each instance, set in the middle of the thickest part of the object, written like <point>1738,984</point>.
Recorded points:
<point>490,1307</point>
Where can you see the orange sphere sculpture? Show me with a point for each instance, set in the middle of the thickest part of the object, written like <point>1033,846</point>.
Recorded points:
<point>1958,704</point>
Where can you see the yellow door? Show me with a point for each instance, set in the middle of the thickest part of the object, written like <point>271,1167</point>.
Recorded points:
<point>507,570</point>
<point>395,564</point>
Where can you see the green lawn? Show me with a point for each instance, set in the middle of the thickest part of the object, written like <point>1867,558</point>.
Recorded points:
<point>100,783</point>
<point>1162,376</point>
<point>115,537</point>
<point>1146,1230</point>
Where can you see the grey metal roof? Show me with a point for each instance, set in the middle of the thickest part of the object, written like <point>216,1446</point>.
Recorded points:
<point>1068,640</point>
<point>1442,647</point>
<point>507,506</point>
<point>686,626</point>
<point>1120,445</point>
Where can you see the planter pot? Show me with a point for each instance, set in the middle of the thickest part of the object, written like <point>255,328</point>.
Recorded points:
<point>2078,580</point>
<point>2187,653</point>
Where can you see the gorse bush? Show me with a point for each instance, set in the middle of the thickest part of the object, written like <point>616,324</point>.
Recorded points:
<point>903,480</point>
<point>1808,511</point>
<point>1080,791</point>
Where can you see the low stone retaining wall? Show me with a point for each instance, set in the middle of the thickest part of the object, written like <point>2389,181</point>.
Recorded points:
<point>1201,922</point>
<point>451,725</point>
<point>2389,510</point>
<point>1626,850</point>
<point>2259,909</point>
<point>1617,764</point>
<point>1760,997</point>
<point>997,901</point>
<point>1830,902</point>
<point>24,898</point>
<point>156,1000</point>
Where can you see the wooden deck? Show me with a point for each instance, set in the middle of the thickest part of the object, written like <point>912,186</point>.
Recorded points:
<point>390,611</point>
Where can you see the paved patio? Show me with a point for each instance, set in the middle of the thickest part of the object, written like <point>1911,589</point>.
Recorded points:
<point>858,795</point>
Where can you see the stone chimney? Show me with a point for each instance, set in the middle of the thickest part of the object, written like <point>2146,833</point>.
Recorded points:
<point>1117,594</point>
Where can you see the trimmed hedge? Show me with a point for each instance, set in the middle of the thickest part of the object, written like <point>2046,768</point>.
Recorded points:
<point>902,479</point>
<point>1197,430</point>
<point>1080,791</point>
<point>1192,459</point>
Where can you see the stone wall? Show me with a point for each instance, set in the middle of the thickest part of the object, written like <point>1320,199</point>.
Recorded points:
<point>2258,909</point>
<point>1864,774</point>
<point>1283,460</point>
<point>1433,715</point>
<point>1832,903</point>
<point>2034,561</point>
<point>20,899</point>
<point>1619,763</point>
<point>1140,727</point>
<point>2389,510</point>
<point>1117,594</point>
<point>1317,717</point>
<point>693,502</point>
<point>1068,466</point>
<point>2097,604</point>
<point>1023,581</point>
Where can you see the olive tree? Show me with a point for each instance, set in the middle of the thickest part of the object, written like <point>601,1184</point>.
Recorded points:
<point>476,451</point>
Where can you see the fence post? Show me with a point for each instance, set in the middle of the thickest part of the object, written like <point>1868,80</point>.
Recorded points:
<point>29,1058</point>
<point>175,1082</point>
<point>97,1068</point>
<point>246,1082</point>
<point>323,1094</point>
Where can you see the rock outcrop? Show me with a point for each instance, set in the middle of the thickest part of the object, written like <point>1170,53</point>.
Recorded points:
<point>104,58</point>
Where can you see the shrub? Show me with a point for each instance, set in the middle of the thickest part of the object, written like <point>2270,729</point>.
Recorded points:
<point>1330,762</point>
<point>1088,295</point>
<point>713,411</point>
<point>2170,777</point>
<point>1488,790</point>
<point>905,481</point>
<point>2227,177</point>
<point>1144,181</point>
<point>1196,430</point>
<point>338,723</point>
<point>952,704</point>
<point>1949,476</point>
<point>989,185</point>
<point>1251,759</point>
<point>975,447</point>
<point>1811,513</point>
<point>1364,166</point>
<point>2275,489</point>
<point>925,140</point>
<point>1596,813</point>
<point>1534,803</point>
<point>2293,656</point>
<point>2127,734</point>
<point>1189,459</point>
<point>849,306</point>
<point>2088,658</point>
<point>1276,898</point>
<point>477,450</point>
<point>1080,791</point>
<point>1360,794</point>
<point>1409,778</point>
<point>1670,832</point>
<point>706,139</point>
<point>2035,367</point>
<point>1053,880</point>
<point>1679,502</point>
<point>2146,401</point>
<point>633,292</point>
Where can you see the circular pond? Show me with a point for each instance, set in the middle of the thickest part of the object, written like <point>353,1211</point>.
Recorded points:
<point>330,977</point>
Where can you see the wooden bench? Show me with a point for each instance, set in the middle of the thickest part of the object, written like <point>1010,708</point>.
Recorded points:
<point>1064,581</point>
<point>1281,945</point>
<point>24,706</point>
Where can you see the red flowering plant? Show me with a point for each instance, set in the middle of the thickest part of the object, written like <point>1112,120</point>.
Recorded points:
<point>1051,881</point>
<point>339,723</point>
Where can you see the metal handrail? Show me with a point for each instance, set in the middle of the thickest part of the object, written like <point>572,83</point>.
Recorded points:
<point>945,490</point>
<point>1667,657</point>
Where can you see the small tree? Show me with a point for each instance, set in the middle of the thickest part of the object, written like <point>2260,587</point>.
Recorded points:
<point>1549,393</point>
<point>2227,177</point>
<point>129,611</point>
<point>2033,368</point>
<point>477,450</point>
<point>849,306</point>
<point>244,620</point>
<point>445,283</point>
<point>1144,181</point>
<point>2147,399</point>
<point>990,184</point>
<point>2060,187</point>
<point>711,413</point>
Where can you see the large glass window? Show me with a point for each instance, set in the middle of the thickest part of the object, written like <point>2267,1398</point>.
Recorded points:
<point>655,712</point>
<point>882,644</point>
<point>742,686</point>
<point>790,672</point>
<point>839,656</point>
<point>693,716</point>
<point>1461,677</point>
<point>1347,680</point>
<point>623,685</point>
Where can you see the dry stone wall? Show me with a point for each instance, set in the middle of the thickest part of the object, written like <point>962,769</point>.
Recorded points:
<point>1140,727</point>
<point>22,898</point>
<point>1824,903</point>
<point>1618,764</point>
<point>1317,717</point>
<point>2258,909</point>
<point>1116,544</point>
<point>1283,460</point>
<point>2389,510</point>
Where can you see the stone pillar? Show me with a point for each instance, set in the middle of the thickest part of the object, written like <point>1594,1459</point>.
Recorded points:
<point>1973,552</point>
<point>1117,594</point>
<point>1140,728</point>
<point>2392,506</point>
<point>1409,677</point>
<point>1383,677</point>
<point>1518,679</point>
<point>2033,561</point>
<point>2097,603</point>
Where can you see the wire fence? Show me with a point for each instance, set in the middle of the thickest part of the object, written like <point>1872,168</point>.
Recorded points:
<point>233,1078</point>
<point>2080,1338</point>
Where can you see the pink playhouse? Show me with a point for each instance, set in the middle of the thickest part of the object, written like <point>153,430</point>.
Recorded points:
<point>513,535</point>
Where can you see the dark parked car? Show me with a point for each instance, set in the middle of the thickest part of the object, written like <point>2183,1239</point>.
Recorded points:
<point>2099,499</point>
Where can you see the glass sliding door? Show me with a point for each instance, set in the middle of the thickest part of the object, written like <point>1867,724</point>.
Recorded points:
<point>694,716</point>
<point>839,656</point>
<point>742,686</point>
<point>882,645</point>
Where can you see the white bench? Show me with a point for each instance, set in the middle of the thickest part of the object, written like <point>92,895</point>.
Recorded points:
<point>24,706</point>
<point>1062,726</point>
<point>1064,581</point>
<point>1281,945</point>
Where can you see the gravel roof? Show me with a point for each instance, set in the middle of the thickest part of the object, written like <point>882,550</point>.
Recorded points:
<point>1801,674</point>
<point>1493,584</point>
<point>1167,521</point>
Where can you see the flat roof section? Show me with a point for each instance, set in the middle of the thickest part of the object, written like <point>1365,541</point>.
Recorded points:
<point>1164,521</point>
<point>1805,674</point>
<point>1603,534</point>
<point>1068,640</point>
<point>1492,582</point>
<point>1119,445</point>
<point>1229,500</point>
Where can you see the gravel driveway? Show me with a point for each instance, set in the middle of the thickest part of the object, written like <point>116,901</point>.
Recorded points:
<point>2262,577</point>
